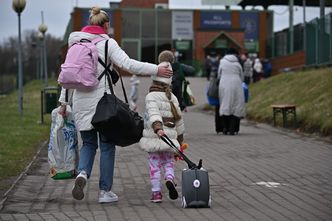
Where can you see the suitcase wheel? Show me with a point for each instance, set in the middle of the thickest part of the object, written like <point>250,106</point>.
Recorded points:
<point>184,204</point>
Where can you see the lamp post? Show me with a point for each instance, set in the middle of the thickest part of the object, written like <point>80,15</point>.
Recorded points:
<point>18,6</point>
<point>43,28</point>
<point>40,45</point>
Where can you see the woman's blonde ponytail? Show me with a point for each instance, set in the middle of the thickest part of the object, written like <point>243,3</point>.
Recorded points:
<point>98,16</point>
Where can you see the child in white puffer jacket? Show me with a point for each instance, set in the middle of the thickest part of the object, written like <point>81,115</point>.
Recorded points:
<point>162,116</point>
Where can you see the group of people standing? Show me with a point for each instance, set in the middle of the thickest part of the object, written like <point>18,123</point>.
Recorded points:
<point>255,69</point>
<point>233,74</point>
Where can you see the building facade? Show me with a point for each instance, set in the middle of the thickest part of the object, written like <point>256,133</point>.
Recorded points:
<point>145,28</point>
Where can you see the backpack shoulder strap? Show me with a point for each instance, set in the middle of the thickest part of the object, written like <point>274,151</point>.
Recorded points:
<point>96,40</point>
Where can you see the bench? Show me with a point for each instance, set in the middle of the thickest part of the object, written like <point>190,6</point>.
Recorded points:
<point>285,110</point>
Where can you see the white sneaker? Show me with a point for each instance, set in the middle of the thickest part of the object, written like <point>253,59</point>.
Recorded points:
<point>107,197</point>
<point>80,182</point>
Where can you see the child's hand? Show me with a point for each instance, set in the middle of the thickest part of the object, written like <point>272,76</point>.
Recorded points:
<point>160,133</point>
<point>182,148</point>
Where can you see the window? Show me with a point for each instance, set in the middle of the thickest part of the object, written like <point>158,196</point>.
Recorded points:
<point>131,48</point>
<point>130,24</point>
<point>164,24</point>
<point>146,32</point>
<point>148,24</point>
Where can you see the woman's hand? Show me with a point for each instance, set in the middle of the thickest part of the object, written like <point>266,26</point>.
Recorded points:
<point>164,71</point>
<point>63,110</point>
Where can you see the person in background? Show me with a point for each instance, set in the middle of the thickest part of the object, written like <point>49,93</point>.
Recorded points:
<point>180,71</point>
<point>207,67</point>
<point>133,96</point>
<point>267,68</point>
<point>231,95</point>
<point>176,54</point>
<point>247,70</point>
<point>214,60</point>
<point>215,63</point>
<point>258,70</point>
<point>162,116</point>
<point>242,59</point>
<point>85,102</point>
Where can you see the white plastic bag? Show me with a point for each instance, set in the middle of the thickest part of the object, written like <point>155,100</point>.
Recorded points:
<point>63,145</point>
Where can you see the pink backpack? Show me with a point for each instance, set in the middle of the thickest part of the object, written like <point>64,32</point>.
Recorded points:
<point>79,71</point>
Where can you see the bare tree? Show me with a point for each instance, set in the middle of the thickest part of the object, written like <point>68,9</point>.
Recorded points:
<point>31,59</point>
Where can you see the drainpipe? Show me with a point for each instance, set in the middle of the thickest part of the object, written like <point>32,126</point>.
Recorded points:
<point>291,28</point>
<point>304,29</point>
<point>321,30</point>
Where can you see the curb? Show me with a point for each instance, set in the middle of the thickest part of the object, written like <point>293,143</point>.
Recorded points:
<point>22,174</point>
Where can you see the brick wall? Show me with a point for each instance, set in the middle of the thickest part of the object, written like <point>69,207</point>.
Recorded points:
<point>294,61</point>
<point>117,25</point>
<point>201,39</point>
<point>262,34</point>
<point>238,36</point>
<point>204,37</point>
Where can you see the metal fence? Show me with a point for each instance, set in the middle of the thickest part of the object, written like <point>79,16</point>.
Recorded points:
<point>316,42</point>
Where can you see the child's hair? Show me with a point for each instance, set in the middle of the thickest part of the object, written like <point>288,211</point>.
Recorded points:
<point>166,56</point>
<point>98,16</point>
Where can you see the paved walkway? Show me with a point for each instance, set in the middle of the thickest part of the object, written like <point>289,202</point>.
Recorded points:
<point>264,173</point>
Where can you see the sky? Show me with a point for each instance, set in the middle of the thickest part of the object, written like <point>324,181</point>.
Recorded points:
<point>57,14</point>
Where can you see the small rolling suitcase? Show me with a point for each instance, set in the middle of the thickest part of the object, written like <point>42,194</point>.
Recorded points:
<point>195,182</point>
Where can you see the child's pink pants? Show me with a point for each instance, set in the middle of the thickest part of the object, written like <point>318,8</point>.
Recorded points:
<point>158,160</point>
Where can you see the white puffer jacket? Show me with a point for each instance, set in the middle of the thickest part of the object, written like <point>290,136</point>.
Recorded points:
<point>85,102</point>
<point>157,106</point>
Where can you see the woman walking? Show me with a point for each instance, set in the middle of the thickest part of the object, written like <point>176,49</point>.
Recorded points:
<point>85,102</point>
<point>231,96</point>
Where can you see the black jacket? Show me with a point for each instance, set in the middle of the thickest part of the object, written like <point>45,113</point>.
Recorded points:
<point>179,72</point>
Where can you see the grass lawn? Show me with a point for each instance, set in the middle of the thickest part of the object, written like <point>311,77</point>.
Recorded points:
<point>310,91</point>
<point>20,137</point>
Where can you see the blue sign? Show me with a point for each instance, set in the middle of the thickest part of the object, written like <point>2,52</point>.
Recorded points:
<point>250,22</point>
<point>216,20</point>
<point>86,15</point>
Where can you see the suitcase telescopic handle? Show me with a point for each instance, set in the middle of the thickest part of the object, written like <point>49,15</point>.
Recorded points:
<point>168,141</point>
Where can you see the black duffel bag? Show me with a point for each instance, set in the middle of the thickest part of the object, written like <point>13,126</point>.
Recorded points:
<point>117,122</point>
<point>114,119</point>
